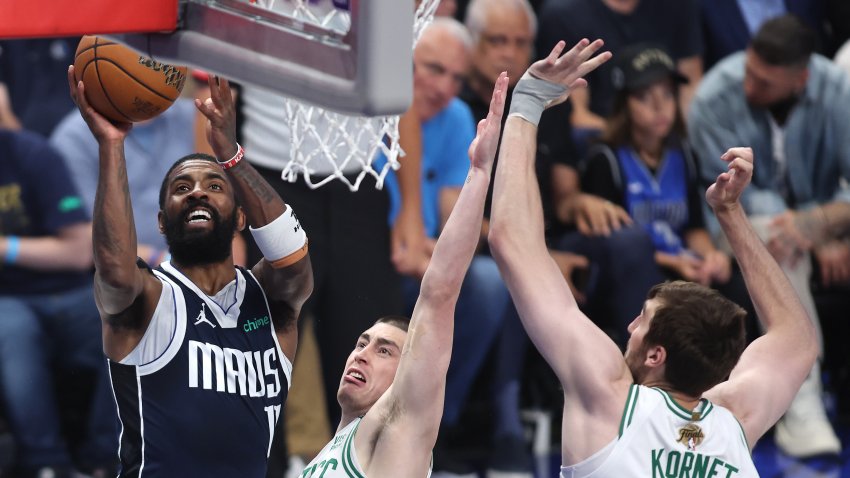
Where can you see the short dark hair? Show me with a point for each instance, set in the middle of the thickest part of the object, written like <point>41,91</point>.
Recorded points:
<point>702,332</point>
<point>188,157</point>
<point>785,41</point>
<point>398,321</point>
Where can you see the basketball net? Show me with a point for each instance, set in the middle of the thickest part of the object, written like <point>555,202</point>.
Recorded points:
<point>322,139</point>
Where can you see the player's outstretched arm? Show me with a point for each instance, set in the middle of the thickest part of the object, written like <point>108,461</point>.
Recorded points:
<point>118,282</point>
<point>771,370</point>
<point>588,364</point>
<point>419,386</point>
<point>286,277</point>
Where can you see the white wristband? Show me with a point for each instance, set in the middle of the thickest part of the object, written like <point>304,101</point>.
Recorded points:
<point>283,241</point>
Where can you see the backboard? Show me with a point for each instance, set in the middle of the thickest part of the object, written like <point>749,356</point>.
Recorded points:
<point>349,56</point>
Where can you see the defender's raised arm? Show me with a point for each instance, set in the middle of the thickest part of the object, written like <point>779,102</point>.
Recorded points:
<point>774,366</point>
<point>407,417</point>
<point>587,362</point>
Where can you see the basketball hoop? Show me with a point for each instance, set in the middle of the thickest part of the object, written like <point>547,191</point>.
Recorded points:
<point>322,139</point>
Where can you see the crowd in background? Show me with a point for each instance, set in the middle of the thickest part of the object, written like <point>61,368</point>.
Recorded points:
<point>621,167</point>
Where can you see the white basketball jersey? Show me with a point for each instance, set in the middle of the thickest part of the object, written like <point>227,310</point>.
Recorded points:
<point>337,459</point>
<point>660,439</point>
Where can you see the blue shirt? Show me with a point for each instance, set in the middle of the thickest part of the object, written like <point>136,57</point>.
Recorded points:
<point>657,201</point>
<point>36,200</point>
<point>445,161</point>
<point>817,136</point>
<point>150,149</point>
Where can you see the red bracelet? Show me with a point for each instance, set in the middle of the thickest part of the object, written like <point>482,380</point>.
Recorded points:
<point>240,151</point>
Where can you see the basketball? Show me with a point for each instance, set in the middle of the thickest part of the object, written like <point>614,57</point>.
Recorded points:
<point>123,85</point>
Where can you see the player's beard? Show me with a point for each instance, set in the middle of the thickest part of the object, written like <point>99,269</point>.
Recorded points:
<point>634,360</point>
<point>191,248</point>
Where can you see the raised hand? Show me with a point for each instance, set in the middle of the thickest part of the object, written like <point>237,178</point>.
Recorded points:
<point>569,69</point>
<point>482,150</point>
<point>726,191</point>
<point>102,128</point>
<point>220,112</point>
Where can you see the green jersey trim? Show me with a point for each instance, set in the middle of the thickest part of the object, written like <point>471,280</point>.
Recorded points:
<point>705,407</point>
<point>347,451</point>
<point>629,409</point>
<point>743,434</point>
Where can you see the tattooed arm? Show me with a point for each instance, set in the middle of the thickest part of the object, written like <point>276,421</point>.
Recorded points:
<point>126,296</point>
<point>286,287</point>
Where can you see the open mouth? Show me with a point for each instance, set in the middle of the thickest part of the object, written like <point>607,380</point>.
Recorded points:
<point>198,215</point>
<point>356,375</point>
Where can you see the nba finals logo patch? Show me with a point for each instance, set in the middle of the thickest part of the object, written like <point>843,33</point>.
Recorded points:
<point>690,435</point>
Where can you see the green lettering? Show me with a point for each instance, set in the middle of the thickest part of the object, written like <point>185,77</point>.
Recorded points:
<point>674,458</point>
<point>687,463</point>
<point>701,466</point>
<point>731,469</point>
<point>656,462</point>
<point>327,464</point>
<point>713,470</point>
<point>309,471</point>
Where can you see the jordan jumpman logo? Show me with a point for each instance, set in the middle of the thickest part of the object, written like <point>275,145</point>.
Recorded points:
<point>202,317</point>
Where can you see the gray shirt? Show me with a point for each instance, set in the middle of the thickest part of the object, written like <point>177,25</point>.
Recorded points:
<point>816,136</point>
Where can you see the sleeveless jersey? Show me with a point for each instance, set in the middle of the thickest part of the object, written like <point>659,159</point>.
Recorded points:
<point>338,458</point>
<point>208,405</point>
<point>660,439</point>
<point>658,202</point>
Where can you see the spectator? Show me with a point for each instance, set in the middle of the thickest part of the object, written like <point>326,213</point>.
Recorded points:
<point>34,72</point>
<point>790,105</point>
<point>729,25</point>
<point>501,30</point>
<point>674,24</point>
<point>645,165</point>
<point>48,318</point>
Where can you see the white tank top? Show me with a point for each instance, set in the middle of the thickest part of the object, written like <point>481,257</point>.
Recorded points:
<point>660,439</point>
<point>338,458</point>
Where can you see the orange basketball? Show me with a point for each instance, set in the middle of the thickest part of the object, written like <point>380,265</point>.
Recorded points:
<point>123,85</point>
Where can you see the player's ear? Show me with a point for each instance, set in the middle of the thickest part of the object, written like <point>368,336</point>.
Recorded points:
<point>240,219</point>
<point>656,356</point>
<point>160,219</point>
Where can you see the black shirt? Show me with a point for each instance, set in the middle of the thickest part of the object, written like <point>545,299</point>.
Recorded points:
<point>674,24</point>
<point>554,146</point>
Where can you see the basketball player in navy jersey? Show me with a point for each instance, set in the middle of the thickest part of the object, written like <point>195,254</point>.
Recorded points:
<point>687,399</point>
<point>199,351</point>
<point>393,386</point>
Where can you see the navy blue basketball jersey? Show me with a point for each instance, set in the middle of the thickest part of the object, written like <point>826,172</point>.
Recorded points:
<point>207,405</point>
